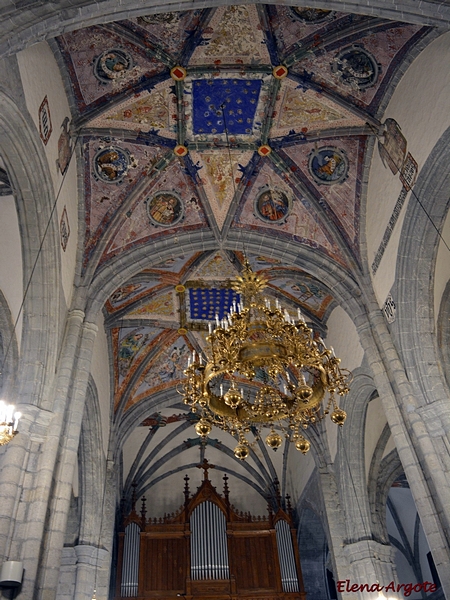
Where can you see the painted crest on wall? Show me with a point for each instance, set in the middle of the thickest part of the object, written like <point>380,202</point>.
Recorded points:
<point>64,147</point>
<point>64,229</point>
<point>328,165</point>
<point>45,122</point>
<point>165,209</point>
<point>392,147</point>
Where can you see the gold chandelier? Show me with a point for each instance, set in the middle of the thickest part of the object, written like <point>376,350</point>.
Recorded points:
<point>9,421</point>
<point>263,369</point>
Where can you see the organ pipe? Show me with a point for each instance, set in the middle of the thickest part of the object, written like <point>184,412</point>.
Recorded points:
<point>209,550</point>
<point>289,579</point>
<point>130,565</point>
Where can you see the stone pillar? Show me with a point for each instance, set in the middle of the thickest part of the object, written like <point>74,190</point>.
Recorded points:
<point>26,480</point>
<point>371,564</point>
<point>419,458</point>
<point>335,520</point>
<point>67,574</point>
<point>90,573</point>
<point>67,456</point>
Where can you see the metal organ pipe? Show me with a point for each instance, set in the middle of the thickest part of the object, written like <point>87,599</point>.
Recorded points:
<point>130,564</point>
<point>286,556</point>
<point>209,550</point>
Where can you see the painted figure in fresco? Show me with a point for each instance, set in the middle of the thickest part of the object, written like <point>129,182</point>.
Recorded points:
<point>272,205</point>
<point>112,164</point>
<point>112,64</point>
<point>164,209</point>
<point>128,349</point>
<point>172,368</point>
<point>124,292</point>
<point>306,291</point>
<point>311,15</point>
<point>169,366</point>
<point>356,67</point>
<point>106,164</point>
<point>328,165</point>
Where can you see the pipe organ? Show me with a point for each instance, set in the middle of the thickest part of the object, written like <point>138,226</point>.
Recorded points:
<point>209,551</point>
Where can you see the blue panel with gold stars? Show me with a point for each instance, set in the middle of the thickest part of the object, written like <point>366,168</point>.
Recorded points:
<point>238,98</point>
<point>206,303</point>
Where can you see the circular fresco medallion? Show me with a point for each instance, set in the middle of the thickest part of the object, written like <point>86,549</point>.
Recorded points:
<point>356,67</point>
<point>111,164</point>
<point>112,64</point>
<point>328,165</point>
<point>272,205</point>
<point>165,209</point>
<point>312,15</point>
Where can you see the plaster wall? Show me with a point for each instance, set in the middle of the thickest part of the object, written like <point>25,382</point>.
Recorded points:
<point>343,338</point>
<point>100,374</point>
<point>406,513</point>
<point>442,269</point>
<point>420,106</point>
<point>299,471</point>
<point>41,79</point>
<point>11,272</point>
<point>374,425</point>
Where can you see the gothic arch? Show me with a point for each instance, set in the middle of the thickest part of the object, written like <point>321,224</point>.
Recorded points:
<point>417,251</point>
<point>443,333</point>
<point>28,170</point>
<point>9,353</point>
<point>91,468</point>
<point>352,458</point>
<point>25,26</point>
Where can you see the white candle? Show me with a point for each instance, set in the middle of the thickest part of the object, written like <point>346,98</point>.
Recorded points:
<point>17,416</point>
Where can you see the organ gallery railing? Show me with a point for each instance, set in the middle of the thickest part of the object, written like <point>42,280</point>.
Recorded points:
<point>210,551</point>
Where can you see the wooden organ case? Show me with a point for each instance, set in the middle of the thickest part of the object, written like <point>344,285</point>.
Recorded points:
<point>209,551</point>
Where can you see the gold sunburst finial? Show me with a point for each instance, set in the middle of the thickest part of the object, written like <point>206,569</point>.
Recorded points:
<point>249,284</point>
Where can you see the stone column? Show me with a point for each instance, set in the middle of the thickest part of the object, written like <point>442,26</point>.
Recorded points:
<point>67,456</point>
<point>420,461</point>
<point>67,574</point>
<point>27,478</point>
<point>90,573</point>
<point>371,567</point>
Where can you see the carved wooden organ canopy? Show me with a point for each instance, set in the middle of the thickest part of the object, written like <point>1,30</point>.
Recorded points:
<point>209,550</point>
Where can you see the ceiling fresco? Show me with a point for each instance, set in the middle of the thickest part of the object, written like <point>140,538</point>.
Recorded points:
<point>238,120</point>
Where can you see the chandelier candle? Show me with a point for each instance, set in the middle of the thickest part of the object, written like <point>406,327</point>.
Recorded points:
<point>284,374</point>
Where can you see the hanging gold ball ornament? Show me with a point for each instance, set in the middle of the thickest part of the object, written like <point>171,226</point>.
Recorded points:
<point>303,392</point>
<point>203,428</point>
<point>338,416</point>
<point>274,440</point>
<point>233,398</point>
<point>302,445</point>
<point>241,452</point>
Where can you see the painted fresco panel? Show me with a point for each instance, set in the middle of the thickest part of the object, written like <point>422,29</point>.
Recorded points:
<point>86,54</point>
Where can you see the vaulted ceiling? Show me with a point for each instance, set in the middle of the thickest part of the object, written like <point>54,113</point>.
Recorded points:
<point>238,123</point>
